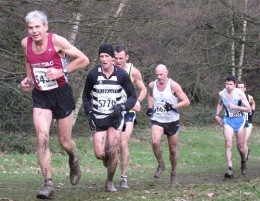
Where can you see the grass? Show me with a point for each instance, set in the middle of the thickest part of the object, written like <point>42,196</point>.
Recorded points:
<point>200,170</point>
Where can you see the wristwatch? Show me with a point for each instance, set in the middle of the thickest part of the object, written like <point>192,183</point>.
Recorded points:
<point>65,71</point>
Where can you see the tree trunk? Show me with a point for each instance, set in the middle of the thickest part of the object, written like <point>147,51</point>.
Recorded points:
<point>110,32</point>
<point>233,56</point>
<point>242,51</point>
<point>73,36</point>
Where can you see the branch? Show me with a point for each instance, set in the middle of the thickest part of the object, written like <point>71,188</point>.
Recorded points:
<point>14,89</point>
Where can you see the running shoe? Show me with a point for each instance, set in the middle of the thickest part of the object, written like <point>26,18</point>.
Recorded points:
<point>159,170</point>
<point>47,192</point>
<point>123,183</point>
<point>110,187</point>
<point>75,173</point>
<point>174,179</point>
<point>230,173</point>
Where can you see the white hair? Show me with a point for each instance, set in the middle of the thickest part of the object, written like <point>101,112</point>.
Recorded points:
<point>36,15</point>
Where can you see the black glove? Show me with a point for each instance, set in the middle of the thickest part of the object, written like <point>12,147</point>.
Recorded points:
<point>149,112</point>
<point>91,121</point>
<point>168,107</point>
<point>118,109</point>
<point>252,113</point>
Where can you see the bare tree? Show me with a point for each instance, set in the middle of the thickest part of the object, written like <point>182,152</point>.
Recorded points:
<point>81,5</point>
<point>242,51</point>
<point>110,32</point>
<point>196,39</point>
<point>239,21</point>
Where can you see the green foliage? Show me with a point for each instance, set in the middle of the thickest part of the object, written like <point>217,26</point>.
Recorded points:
<point>81,128</point>
<point>15,112</point>
<point>193,39</point>
<point>198,115</point>
<point>17,143</point>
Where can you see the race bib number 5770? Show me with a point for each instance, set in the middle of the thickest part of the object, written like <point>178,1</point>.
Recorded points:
<point>42,81</point>
<point>106,102</point>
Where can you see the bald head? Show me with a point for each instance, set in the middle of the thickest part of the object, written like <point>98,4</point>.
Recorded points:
<point>161,69</point>
<point>161,73</point>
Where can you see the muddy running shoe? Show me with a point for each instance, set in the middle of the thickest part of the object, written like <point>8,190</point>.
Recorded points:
<point>47,192</point>
<point>123,183</point>
<point>159,170</point>
<point>75,173</point>
<point>110,187</point>
<point>243,167</point>
<point>230,173</point>
<point>174,179</point>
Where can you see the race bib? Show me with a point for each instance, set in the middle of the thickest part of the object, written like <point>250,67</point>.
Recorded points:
<point>42,81</point>
<point>160,109</point>
<point>105,103</point>
<point>234,114</point>
<point>245,114</point>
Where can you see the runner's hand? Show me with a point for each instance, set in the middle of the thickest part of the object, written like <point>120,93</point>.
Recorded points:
<point>26,84</point>
<point>252,113</point>
<point>168,107</point>
<point>149,112</point>
<point>118,109</point>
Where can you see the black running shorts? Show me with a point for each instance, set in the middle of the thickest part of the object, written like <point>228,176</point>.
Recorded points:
<point>168,128</point>
<point>103,124</point>
<point>60,101</point>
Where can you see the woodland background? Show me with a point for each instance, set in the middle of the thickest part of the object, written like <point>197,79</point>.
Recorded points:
<point>200,41</point>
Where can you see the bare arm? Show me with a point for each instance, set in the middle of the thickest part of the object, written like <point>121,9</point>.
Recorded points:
<point>183,99</point>
<point>27,66</point>
<point>27,81</point>
<point>219,109</point>
<point>252,102</point>
<point>80,60</point>
<point>63,47</point>
<point>138,80</point>
<point>150,95</point>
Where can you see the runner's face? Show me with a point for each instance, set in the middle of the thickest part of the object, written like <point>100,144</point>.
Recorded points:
<point>230,85</point>
<point>241,86</point>
<point>121,59</point>
<point>106,60</point>
<point>37,30</point>
<point>161,75</point>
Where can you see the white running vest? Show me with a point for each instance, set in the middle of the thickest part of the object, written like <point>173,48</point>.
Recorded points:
<point>235,100</point>
<point>159,100</point>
